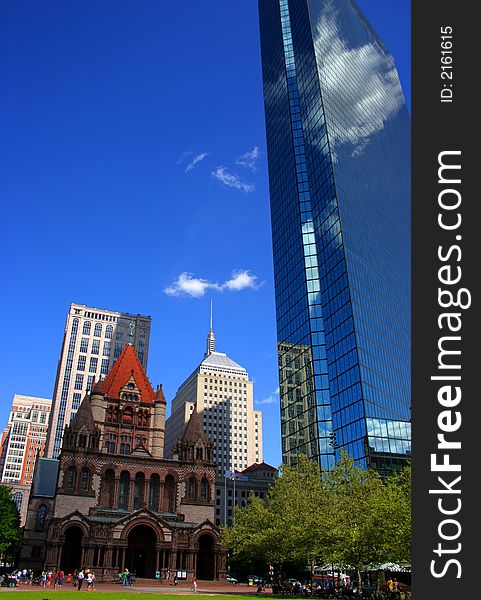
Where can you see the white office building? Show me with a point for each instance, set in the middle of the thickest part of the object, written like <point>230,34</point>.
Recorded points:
<point>224,397</point>
<point>93,340</point>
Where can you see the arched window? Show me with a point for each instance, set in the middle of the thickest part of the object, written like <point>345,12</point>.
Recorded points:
<point>139,488</point>
<point>18,499</point>
<point>169,494</point>
<point>41,516</point>
<point>108,488</point>
<point>124,488</point>
<point>70,478</point>
<point>98,330</point>
<point>154,492</point>
<point>86,328</point>
<point>199,453</point>
<point>109,330</point>
<point>85,479</point>
<point>192,488</point>
<point>124,448</point>
<point>204,489</point>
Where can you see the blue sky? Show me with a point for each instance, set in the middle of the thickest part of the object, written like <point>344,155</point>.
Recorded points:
<point>133,176</point>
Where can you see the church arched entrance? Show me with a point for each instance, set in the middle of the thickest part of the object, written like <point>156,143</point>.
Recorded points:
<point>141,551</point>
<point>72,549</point>
<point>205,558</point>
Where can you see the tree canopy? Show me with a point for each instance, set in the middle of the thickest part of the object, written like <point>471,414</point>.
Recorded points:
<point>348,516</point>
<point>9,524</point>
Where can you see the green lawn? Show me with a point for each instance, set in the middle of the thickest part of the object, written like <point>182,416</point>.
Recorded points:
<point>120,595</point>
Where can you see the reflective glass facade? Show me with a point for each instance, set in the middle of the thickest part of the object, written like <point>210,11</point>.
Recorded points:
<point>338,140</point>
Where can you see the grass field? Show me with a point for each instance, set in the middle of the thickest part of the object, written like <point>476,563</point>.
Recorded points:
<point>120,595</point>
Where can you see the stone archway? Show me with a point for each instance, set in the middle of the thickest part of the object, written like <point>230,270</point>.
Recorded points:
<point>141,551</point>
<point>205,558</point>
<point>72,549</point>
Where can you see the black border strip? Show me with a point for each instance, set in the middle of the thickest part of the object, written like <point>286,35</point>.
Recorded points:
<point>448,126</point>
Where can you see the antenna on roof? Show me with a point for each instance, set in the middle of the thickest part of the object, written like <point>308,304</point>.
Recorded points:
<point>210,345</point>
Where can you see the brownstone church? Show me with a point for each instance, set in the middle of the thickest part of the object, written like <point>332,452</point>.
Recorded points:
<point>112,501</point>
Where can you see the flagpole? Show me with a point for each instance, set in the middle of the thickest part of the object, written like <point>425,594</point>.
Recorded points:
<point>225,496</point>
<point>233,502</point>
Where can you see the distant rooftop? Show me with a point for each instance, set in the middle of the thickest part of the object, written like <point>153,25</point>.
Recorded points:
<point>118,312</point>
<point>220,359</point>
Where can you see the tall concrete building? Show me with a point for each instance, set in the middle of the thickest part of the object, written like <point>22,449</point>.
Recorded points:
<point>93,340</point>
<point>223,394</point>
<point>23,439</point>
<point>338,144</point>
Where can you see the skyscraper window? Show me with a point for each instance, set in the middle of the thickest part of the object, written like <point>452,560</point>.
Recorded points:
<point>338,141</point>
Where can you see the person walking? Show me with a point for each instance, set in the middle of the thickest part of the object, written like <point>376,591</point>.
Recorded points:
<point>80,579</point>
<point>89,580</point>
<point>194,584</point>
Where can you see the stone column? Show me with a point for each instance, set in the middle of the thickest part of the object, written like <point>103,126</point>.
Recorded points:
<point>107,557</point>
<point>130,504</point>
<point>115,503</point>
<point>189,565</point>
<point>161,497</point>
<point>173,560</point>
<point>51,556</point>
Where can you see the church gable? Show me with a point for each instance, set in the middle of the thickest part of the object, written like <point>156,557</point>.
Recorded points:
<point>127,376</point>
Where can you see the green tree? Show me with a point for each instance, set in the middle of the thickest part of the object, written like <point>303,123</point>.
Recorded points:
<point>348,516</point>
<point>9,524</point>
<point>371,517</point>
<point>290,525</point>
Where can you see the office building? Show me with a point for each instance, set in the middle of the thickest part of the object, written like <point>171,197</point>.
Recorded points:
<point>23,439</point>
<point>92,342</point>
<point>236,488</point>
<point>223,394</point>
<point>338,143</point>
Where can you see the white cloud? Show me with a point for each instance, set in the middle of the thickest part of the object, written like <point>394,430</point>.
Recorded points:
<point>365,89</point>
<point>196,160</point>
<point>183,156</point>
<point>188,285</point>
<point>272,399</point>
<point>185,284</point>
<point>241,280</point>
<point>249,159</point>
<point>231,179</point>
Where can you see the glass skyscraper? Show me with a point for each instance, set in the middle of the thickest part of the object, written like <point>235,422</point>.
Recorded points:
<point>338,141</point>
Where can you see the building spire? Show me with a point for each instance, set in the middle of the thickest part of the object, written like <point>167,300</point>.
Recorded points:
<point>210,345</point>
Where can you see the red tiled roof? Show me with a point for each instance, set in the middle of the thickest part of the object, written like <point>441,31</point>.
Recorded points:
<point>127,365</point>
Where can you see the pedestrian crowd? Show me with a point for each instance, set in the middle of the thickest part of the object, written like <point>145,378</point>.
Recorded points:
<point>55,579</point>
